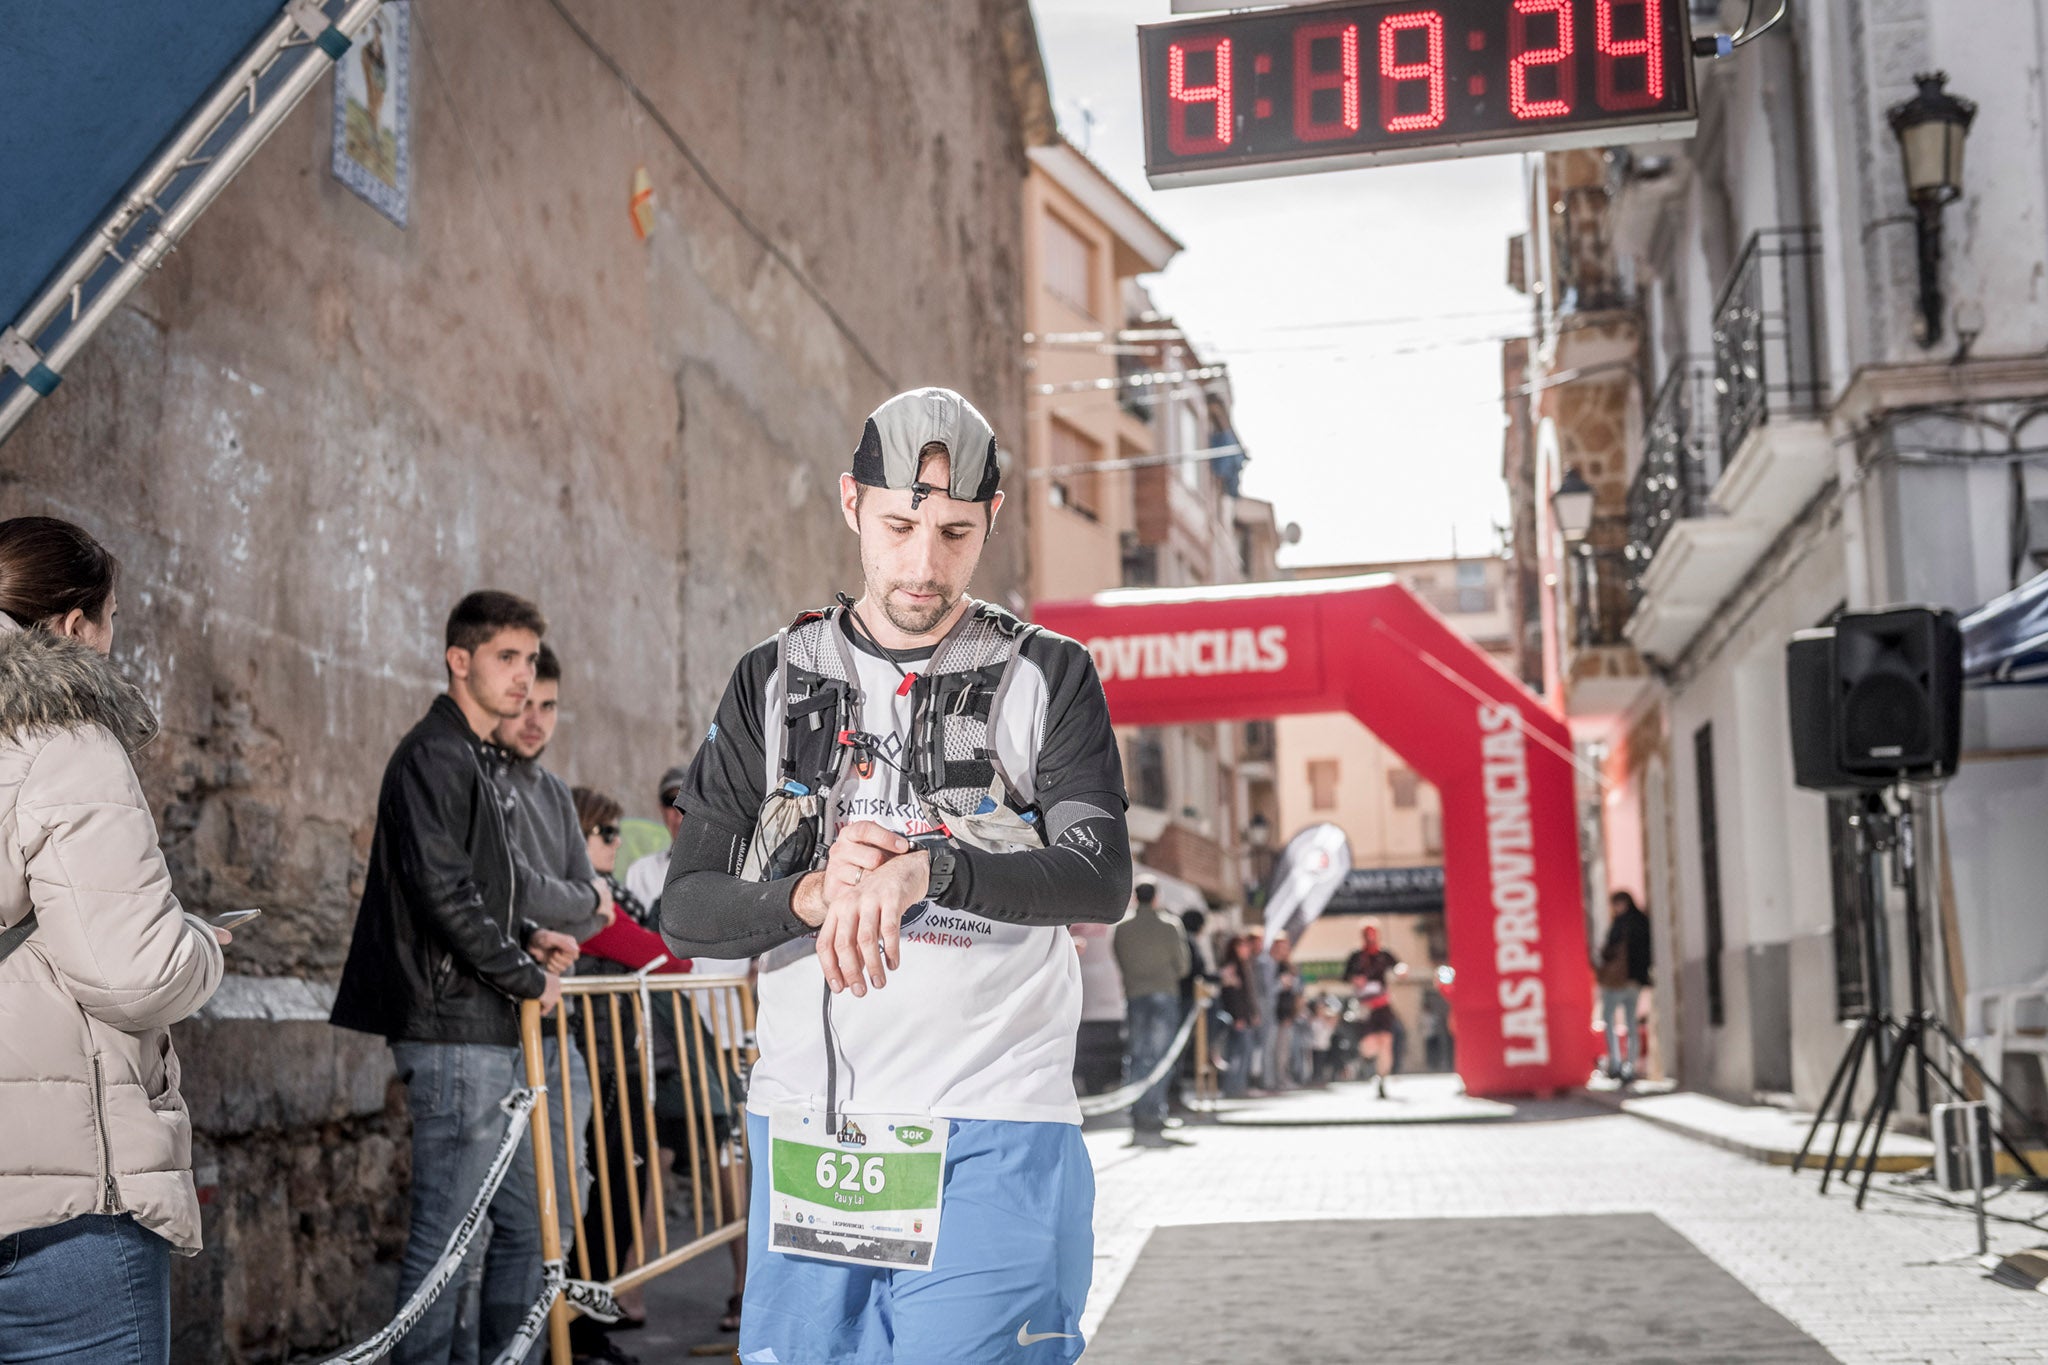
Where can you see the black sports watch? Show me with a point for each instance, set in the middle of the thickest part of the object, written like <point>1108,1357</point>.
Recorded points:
<point>944,862</point>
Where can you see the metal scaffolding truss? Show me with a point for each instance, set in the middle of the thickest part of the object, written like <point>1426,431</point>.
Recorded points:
<point>215,141</point>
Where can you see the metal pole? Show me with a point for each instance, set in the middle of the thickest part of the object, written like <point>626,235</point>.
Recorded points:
<point>544,1171</point>
<point>1976,1113</point>
<point>1909,874</point>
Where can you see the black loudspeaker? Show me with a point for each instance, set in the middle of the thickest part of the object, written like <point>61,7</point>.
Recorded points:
<point>1898,690</point>
<point>1810,689</point>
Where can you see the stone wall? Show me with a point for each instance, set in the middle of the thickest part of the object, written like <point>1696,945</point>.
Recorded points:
<point>313,431</point>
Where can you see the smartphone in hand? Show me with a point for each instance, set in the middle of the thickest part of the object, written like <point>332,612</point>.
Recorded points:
<point>232,918</point>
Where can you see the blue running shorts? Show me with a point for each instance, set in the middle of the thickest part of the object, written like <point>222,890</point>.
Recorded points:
<point>1009,1277</point>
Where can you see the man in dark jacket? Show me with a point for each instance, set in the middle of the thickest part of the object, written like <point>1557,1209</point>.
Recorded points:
<point>439,962</point>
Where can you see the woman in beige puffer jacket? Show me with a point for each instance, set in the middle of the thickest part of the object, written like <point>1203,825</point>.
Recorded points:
<point>95,1145</point>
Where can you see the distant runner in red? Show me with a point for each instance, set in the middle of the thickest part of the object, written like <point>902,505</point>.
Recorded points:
<point>1371,970</point>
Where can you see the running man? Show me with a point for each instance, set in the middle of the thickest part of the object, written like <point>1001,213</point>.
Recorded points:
<point>1371,970</point>
<point>903,803</point>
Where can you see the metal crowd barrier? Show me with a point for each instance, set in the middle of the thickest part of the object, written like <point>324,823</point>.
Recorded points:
<point>711,1057</point>
<point>1206,1092</point>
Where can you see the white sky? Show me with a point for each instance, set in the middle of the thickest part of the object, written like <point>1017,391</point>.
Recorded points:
<point>1379,455</point>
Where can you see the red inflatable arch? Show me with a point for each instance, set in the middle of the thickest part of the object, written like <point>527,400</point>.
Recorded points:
<point>1513,917</point>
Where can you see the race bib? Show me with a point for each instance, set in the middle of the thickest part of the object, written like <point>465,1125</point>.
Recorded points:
<point>865,1194</point>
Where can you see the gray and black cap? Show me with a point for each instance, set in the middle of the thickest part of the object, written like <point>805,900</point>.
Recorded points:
<point>906,424</point>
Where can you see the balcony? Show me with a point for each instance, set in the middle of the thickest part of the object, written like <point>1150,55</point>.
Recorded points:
<point>1729,463</point>
<point>1602,596</point>
<point>1681,461</point>
<point>1770,376</point>
<point>1603,673</point>
<point>1683,555</point>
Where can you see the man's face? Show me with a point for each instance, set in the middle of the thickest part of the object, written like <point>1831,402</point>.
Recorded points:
<point>498,674</point>
<point>529,733</point>
<point>916,562</point>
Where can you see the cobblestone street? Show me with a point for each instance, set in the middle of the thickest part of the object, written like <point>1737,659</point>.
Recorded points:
<point>1891,1284</point>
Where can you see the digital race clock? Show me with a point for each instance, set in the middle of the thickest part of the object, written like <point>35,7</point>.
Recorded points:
<point>1322,87</point>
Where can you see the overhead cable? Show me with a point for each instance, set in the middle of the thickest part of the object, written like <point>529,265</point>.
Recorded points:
<point>1744,35</point>
<point>1133,381</point>
<point>1135,462</point>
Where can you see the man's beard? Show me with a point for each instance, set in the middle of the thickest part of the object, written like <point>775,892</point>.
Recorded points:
<point>917,620</point>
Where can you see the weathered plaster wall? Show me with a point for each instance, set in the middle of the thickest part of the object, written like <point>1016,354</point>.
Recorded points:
<point>314,431</point>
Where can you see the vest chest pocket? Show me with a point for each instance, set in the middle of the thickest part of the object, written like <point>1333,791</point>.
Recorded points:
<point>785,837</point>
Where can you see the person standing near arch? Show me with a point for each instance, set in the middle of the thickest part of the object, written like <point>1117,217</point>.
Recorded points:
<point>1623,972</point>
<point>902,804</point>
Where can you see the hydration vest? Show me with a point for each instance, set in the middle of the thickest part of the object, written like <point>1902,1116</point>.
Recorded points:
<point>949,768</point>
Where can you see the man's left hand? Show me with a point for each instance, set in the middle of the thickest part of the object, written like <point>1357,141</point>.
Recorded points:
<point>858,943</point>
<point>554,951</point>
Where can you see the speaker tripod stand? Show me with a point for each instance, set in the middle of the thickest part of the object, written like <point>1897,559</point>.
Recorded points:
<point>1887,1039</point>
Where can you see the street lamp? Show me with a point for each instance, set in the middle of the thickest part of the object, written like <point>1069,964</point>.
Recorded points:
<point>1573,504</point>
<point>1931,128</point>
<point>1258,832</point>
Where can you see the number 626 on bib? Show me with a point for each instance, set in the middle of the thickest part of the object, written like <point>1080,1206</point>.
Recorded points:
<point>865,1191</point>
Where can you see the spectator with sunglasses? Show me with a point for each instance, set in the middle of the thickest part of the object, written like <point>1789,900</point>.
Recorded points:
<point>629,944</point>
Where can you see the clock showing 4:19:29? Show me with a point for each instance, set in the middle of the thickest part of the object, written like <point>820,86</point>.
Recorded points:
<point>1285,91</point>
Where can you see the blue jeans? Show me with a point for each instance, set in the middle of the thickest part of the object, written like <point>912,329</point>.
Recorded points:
<point>1237,1060</point>
<point>471,1284</point>
<point>1261,1061</point>
<point>453,1090</point>
<point>95,1290</point>
<point>1618,1011</point>
<point>1150,1021</point>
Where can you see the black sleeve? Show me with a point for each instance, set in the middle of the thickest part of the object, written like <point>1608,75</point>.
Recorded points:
<point>707,910</point>
<point>1083,875</point>
<point>726,782</point>
<point>428,808</point>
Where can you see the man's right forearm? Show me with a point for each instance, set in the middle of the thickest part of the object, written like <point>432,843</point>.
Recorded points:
<point>708,910</point>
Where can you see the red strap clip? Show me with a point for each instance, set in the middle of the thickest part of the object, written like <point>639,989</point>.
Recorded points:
<point>847,737</point>
<point>909,679</point>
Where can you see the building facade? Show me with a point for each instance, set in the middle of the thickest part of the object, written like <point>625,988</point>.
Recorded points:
<point>1132,477</point>
<point>1732,350</point>
<point>312,431</point>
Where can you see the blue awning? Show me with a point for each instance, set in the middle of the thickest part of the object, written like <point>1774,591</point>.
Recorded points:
<point>91,96</point>
<point>2005,641</point>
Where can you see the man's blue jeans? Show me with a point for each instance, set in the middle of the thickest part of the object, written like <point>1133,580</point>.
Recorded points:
<point>453,1091</point>
<point>1150,1024</point>
<point>93,1290</point>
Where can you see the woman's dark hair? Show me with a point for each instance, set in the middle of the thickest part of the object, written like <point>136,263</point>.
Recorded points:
<point>593,809</point>
<point>52,568</point>
<point>1623,902</point>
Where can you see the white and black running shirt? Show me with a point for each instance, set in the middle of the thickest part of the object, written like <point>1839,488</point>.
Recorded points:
<point>979,1021</point>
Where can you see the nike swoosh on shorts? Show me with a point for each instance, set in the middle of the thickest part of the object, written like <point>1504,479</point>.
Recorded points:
<point>1027,1337</point>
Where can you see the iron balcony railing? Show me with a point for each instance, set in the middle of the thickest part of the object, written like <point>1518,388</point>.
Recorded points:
<point>1768,360</point>
<point>1602,590</point>
<point>1681,461</point>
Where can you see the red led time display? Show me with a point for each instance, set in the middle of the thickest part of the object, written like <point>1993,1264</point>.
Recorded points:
<point>1282,91</point>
